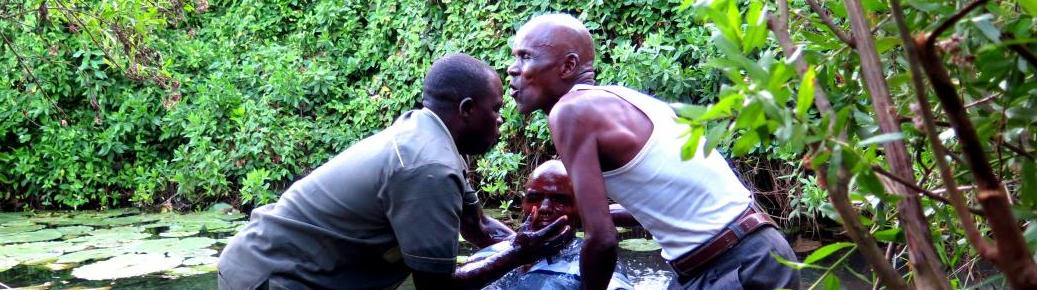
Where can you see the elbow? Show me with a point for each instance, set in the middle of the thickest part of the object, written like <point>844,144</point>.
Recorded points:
<point>601,243</point>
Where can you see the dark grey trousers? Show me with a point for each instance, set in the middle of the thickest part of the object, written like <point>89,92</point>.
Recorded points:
<point>747,265</point>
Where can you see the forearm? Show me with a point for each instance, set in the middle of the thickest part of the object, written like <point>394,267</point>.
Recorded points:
<point>621,217</point>
<point>481,230</point>
<point>478,274</point>
<point>597,262</point>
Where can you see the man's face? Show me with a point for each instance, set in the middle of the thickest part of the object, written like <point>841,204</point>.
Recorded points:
<point>535,72</point>
<point>548,197</point>
<point>484,125</point>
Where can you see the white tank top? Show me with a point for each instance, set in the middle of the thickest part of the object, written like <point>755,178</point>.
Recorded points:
<point>682,203</point>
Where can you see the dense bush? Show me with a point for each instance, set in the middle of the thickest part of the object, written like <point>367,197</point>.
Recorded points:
<point>129,102</point>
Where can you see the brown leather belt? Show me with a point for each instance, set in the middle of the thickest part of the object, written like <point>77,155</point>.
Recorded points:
<point>749,221</point>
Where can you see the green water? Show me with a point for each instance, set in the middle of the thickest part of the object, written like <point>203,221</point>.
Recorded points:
<point>47,259</point>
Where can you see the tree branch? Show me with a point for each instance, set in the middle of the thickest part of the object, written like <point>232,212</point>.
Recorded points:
<point>1020,49</point>
<point>1011,255</point>
<point>779,25</point>
<point>946,24</point>
<point>916,188</point>
<point>957,201</point>
<point>922,256</point>
<point>827,19</point>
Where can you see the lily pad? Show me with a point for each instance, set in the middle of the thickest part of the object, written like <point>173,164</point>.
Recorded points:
<point>122,221</point>
<point>201,261</point>
<point>117,230</point>
<point>192,253</point>
<point>109,240</point>
<point>7,264</point>
<point>639,245</point>
<point>75,230</point>
<point>177,234</point>
<point>95,254</point>
<point>189,271</point>
<point>59,267</point>
<point>19,229</point>
<point>126,266</point>
<point>28,237</point>
<point>18,223</point>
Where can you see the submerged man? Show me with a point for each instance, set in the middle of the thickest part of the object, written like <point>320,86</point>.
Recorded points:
<point>621,144</point>
<point>392,204</point>
<point>549,196</point>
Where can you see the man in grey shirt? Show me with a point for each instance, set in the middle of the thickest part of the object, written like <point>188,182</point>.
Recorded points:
<point>391,205</point>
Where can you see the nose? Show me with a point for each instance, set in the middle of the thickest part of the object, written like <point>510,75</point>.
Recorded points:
<point>545,207</point>
<point>513,69</point>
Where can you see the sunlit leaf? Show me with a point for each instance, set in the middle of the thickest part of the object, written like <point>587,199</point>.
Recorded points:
<point>826,251</point>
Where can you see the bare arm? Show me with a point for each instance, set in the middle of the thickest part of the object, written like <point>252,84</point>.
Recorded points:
<point>524,248</point>
<point>621,217</point>
<point>577,144</point>
<point>482,230</point>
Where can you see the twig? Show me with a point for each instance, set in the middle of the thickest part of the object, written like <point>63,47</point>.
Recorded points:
<point>827,19</point>
<point>920,190</point>
<point>940,191</point>
<point>779,25</point>
<point>946,24</point>
<point>28,71</point>
<point>1017,150</point>
<point>980,101</point>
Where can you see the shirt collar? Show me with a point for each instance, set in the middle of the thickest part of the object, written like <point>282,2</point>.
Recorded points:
<point>453,147</point>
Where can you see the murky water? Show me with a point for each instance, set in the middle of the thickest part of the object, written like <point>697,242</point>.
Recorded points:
<point>645,269</point>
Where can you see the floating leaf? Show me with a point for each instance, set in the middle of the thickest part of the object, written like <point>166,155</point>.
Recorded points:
<point>36,236</point>
<point>19,229</point>
<point>109,240</point>
<point>74,230</point>
<point>7,264</point>
<point>178,234</point>
<point>639,245</point>
<point>193,261</point>
<point>126,266</point>
<point>95,254</point>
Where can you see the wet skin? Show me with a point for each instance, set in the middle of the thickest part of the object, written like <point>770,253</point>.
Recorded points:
<point>474,125</point>
<point>593,131</point>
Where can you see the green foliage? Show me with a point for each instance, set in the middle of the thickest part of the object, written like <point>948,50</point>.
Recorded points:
<point>129,102</point>
<point>755,111</point>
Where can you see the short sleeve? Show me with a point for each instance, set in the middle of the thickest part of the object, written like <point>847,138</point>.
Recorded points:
<point>423,206</point>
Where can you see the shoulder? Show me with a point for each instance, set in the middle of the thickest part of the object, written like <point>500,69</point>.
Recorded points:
<point>581,108</point>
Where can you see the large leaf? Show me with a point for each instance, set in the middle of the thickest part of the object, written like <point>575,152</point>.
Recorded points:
<point>826,251</point>
<point>639,245</point>
<point>28,237</point>
<point>882,138</point>
<point>805,96</point>
<point>126,266</point>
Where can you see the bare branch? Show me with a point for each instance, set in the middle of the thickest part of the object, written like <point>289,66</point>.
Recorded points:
<point>1020,49</point>
<point>957,201</point>
<point>946,24</point>
<point>827,19</point>
<point>916,188</point>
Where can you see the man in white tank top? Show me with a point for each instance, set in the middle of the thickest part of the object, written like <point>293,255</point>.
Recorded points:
<point>621,144</point>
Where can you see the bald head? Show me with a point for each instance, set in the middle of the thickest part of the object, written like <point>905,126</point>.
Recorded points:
<point>560,31</point>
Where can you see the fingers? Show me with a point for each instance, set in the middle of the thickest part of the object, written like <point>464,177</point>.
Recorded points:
<point>553,228</point>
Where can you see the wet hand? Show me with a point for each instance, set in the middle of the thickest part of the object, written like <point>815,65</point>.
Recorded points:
<point>544,242</point>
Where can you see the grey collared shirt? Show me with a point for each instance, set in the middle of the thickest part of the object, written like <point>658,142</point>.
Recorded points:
<point>363,220</point>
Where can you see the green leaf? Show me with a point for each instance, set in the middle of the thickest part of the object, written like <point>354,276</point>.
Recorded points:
<point>1029,6</point>
<point>639,245</point>
<point>870,183</point>
<point>826,251</point>
<point>889,235</point>
<point>692,145</point>
<point>882,138</point>
<point>1028,189</point>
<point>832,282</point>
<point>805,97</point>
<point>986,26</point>
<point>793,264</point>
<point>745,143</point>
<point>756,27</point>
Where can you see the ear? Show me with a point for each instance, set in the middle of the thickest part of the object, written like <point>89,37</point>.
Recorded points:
<point>569,65</point>
<point>465,107</point>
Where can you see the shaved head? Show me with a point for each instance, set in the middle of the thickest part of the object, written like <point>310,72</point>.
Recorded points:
<point>553,52</point>
<point>562,31</point>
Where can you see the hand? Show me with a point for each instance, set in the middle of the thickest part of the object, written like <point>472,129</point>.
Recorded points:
<point>547,241</point>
